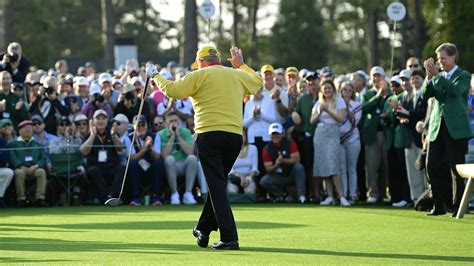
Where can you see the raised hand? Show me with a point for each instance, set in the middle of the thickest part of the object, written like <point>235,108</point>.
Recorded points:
<point>151,70</point>
<point>237,58</point>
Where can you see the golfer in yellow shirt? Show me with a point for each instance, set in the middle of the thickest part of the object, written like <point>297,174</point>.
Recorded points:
<point>217,93</point>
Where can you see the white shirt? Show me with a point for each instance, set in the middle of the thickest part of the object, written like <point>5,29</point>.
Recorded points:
<point>184,106</point>
<point>325,118</point>
<point>258,126</point>
<point>247,164</point>
<point>283,97</point>
<point>346,125</point>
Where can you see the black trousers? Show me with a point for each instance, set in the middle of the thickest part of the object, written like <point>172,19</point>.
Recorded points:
<point>443,155</point>
<point>217,151</point>
<point>397,175</point>
<point>102,177</point>
<point>260,144</point>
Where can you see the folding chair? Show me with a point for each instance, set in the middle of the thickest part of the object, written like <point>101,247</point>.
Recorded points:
<point>465,171</point>
<point>66,171</point>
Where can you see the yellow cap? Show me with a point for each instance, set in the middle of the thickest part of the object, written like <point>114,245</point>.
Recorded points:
<point>205,51</point>
<point>267,68</point>
<point>291,71</point>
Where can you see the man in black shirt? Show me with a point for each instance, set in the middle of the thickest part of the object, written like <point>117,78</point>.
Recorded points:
<point>101,149</point>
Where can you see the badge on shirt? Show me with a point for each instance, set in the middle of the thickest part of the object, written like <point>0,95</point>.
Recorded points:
<point>102,156</point>
<point>6,115</point>
<point>144,164</point>
<point>28,158</point>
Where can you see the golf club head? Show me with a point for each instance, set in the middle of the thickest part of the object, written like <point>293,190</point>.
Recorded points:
<point>112,202</point>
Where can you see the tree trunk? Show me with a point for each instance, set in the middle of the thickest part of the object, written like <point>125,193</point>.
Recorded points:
<point>419,36</point>
<point>372,33</point>
<point>253,8</point>
<point>108,33</point>
<point>7,24</point>
<point>189,44</point>
<point>235,28</point>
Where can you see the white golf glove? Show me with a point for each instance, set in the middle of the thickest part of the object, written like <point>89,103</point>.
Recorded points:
<point>151,70</point>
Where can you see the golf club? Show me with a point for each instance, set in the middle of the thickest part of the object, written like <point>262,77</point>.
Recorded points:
<point>113,202</point>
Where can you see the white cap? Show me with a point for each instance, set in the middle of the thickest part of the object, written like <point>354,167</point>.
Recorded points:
<point>105,77</point>
<point>80,117</point>
<point>166,74</point>
<point>121,118</point>
<point>406,73</point>
<point>115,81</point>
<point>81,81</point>
<point>95,88</point>
<point>396,79</point>
<point>275,128</point>
<point>135,79</point>
<point>377,70</point>
<point>100,112</point>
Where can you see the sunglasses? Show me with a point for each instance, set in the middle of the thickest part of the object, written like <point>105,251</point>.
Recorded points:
<point>64,124</point>
<point>158,124</point>
<point>37,123</point>
<point>414,65</point>
<point>81,124</point>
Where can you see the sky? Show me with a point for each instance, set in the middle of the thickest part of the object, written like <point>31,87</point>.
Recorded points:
<point>173,10</point>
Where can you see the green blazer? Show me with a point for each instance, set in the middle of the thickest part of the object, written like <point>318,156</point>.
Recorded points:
<point>391,123</point>
<point>372,107</point>
<point>450,102</point>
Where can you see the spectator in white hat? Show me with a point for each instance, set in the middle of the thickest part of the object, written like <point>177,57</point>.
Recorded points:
<point>96,101</point>
<point>110,95</point>
<point>373,138</point>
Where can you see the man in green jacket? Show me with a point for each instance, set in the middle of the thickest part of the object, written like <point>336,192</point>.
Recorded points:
<point>449,128</point>
<point>373,137</point>
<point>28,160</point>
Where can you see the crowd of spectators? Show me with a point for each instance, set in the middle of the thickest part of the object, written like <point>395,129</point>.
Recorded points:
<point>309,136</point>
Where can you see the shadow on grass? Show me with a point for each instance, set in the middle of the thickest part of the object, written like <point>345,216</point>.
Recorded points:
<point>56,245</point>
<point>139,225</point>
<point>10,260</point>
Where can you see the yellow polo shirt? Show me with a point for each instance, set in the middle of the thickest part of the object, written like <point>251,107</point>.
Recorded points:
<point>217,93</point>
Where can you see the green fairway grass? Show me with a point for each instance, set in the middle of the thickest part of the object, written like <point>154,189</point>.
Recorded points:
<point>285,234</point>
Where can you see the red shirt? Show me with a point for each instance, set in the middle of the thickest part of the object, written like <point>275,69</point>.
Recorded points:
<point>268,159</point>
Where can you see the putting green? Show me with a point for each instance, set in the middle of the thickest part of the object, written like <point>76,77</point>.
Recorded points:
<point>285,234</point>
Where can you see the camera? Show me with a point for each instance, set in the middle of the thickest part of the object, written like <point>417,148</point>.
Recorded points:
<point>12,57</point>
<point>130,96</point>
<point>48,90</point>
<point>98,98</point>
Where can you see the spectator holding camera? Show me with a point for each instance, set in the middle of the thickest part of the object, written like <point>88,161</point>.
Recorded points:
<point>48,105</point>
<point>96,102</point>
<point>15,63</point>
<point>129,104</point>
<point>177,149</point>
<point>11,106</point>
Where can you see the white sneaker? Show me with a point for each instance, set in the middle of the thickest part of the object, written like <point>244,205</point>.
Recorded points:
<point>188,198</point>
<point>400,204</point>
<point>175,199</point>
<point>372,200</point>
<point>345,202</point>
<point>328,201</point>
<point>302,199</point>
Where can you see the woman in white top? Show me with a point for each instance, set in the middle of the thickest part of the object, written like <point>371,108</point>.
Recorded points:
<point>328,112</point>
<point>259,113</point>
<point>350,141</point>
<point>245,170</point>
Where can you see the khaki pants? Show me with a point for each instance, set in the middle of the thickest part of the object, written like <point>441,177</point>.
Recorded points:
<point>20,177</point>
<point>376,166</point>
